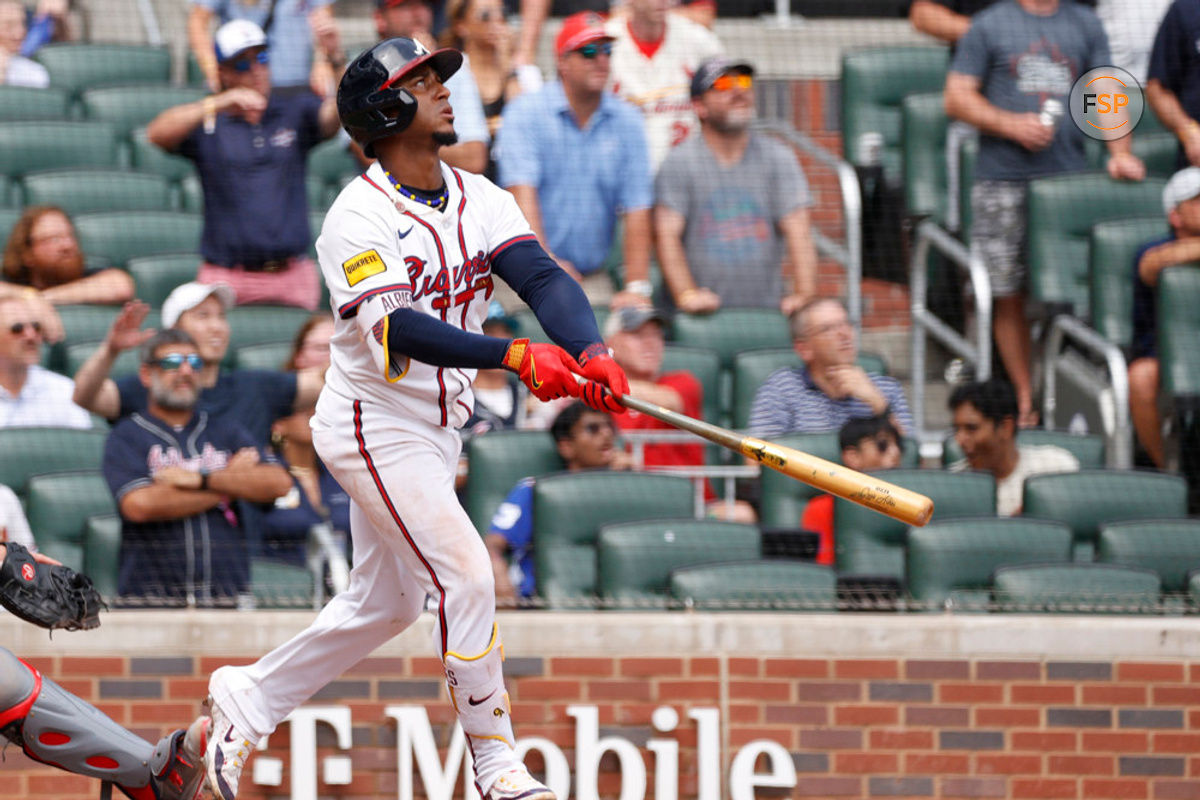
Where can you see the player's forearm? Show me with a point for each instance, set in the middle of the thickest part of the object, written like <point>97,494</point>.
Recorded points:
<point>428,340</point>
<point>94,390</point>
<point>1168,108</point>
<point>938,21</point>
<point>160,502</point>
<point>108,287</point>
<point>259,483</point>
<point>637,244</point>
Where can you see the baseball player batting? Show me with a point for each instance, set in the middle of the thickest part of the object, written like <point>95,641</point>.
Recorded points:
<point>409,251</point>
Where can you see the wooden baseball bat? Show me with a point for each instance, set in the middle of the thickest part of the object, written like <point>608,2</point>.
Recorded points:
<point>866,490</point>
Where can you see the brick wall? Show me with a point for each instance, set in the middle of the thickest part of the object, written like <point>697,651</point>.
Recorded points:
<point>856,727</point>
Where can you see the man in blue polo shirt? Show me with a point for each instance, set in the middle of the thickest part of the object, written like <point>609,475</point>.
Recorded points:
<point>175,473</point>
<point>250,147</point>
<point>580,152</point>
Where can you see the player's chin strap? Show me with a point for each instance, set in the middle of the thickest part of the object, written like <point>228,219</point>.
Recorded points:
<point>57,728</point>
<point>476,684</point>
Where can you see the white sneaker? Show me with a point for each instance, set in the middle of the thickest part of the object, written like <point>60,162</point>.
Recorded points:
<point>518,784</point>
<point>225,756</point>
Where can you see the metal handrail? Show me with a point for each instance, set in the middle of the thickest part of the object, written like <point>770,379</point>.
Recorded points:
<point>698,473</point>
<point>1118,440</point>
<point>926,323</point>
<point>848,255</point>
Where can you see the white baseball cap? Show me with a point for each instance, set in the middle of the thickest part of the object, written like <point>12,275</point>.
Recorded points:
<point>189,295</point>
<point>1183,186</point>
<point>236,36</point>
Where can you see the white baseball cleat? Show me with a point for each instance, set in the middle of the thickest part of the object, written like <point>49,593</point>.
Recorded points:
<point>518,784</point>
<point>226,755</point>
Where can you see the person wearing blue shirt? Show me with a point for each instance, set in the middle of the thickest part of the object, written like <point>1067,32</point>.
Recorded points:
<point>250,146</point>
<point>175,472</point>
<point>580,152</point>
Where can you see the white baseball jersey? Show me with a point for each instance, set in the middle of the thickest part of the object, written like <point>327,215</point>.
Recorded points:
<point>379,252</point>
<point>660,83</point>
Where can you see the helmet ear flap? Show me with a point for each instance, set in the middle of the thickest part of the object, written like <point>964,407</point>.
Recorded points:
<point>385,124</point>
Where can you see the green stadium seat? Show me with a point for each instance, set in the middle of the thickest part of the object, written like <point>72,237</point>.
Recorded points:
<point>277,585</point>
<point>874,84</point>
<point>868,543</point>
<point>42,451</point>
<point>23,103</point>
<point>8,193</point>
<point>729,331</point>
<point>32,146</point>
<point>76,354</point>
<point>191,193</point>
<point>1062,211</point>
<point>1156,148</point>
<point>119,236</point>
<point>1179,331</point>
<point>263,324</point>
<point>1075,588</point>
<point>131,107</point>
<point>149,158</point>
<point>949,564</point>
<point>496,461</point>
<point>84,325</point>
<point>58,507</point>
<point>1170,547</point>
<point>705,365</point>
<point>157,276</point>
<point>1194,588</point>
<point>570,508</point>
<point>102,552</point>
<point>1088,448</point>
<point>966,172</point>
<point>923,124</point>
<point>194,75</point>
<point>529,328</point>
<point>635,559</point>
<point>82,191</point>
<point>75,66</point>
<point>1087,499</point>
<point>751,368</point>
<point>8,218</point>
<point>268,356</point>
<point>757,585</point>
<point>1111,251</point>
<point>331,163</point>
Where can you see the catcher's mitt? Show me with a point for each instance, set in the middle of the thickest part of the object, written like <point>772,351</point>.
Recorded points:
<point>46,595</point>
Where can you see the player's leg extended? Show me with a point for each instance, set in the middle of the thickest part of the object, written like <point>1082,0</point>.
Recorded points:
<point>55,727</point>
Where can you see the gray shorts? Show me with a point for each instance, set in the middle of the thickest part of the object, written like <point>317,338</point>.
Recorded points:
<point>998,233</point>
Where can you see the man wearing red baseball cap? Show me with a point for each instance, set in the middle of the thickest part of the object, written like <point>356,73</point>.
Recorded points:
<point>580,152</point>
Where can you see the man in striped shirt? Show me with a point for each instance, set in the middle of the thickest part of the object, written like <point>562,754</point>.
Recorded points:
<point>827,387</point>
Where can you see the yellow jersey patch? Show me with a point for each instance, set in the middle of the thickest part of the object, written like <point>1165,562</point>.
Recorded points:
<point>362,266</point>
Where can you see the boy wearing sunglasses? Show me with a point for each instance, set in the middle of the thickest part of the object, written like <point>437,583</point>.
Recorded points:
<point>175,473</point>
<point>30,395</point>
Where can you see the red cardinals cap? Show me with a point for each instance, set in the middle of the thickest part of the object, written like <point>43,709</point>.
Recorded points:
<point>580,29</point>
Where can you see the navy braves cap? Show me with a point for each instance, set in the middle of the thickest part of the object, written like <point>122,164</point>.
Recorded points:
<point>713,68</point>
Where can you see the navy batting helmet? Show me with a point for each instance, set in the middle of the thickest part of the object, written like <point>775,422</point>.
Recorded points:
<point>370,105</point>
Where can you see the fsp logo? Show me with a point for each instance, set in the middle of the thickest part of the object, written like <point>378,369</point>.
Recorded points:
<point>1106,103</point>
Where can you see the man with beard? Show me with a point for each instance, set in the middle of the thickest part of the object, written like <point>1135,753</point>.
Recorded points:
<point>30,395</point>
<point>175,473</point>
<point>731,204</point>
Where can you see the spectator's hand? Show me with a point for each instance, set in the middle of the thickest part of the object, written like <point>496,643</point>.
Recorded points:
<point>1028,131</point>
<point>326,37</point>
<point>1126,166</point>
<point>246,457</point>
<point>126,330</point>
<point>178,477</point>
<point>791,302</point>
<point>851,380</point>
<point>45,313</point>
<point>698,301</point>
<point>244,102</point>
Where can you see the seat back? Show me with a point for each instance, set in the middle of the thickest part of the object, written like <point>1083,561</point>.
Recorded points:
<point>874,84</point>
<point>32,146</point>
<point>277,585</point>
<point>729,331</point>
<point>784,497</point>
<point>1111,251</point>
<point>869,543</point>
<point>923,124</point>
<point>705,365</point>
<point>23,103</point>
<point>953,560</point>
<point>119,236</point>
<point>130,107</point>
<point>570,508</point>
<point>331,163</point>
<point>81,191</point>
<point>1179,331</point>
<point>149,158</point>
<point>496,461</point>
<point>25,452</point>
<point>76,354</point>
<point>1087,499</point>
<point>1170,547</point>
<point>262,325</point>
<point>635,559</point>
<point>158,276</point>
<point>1061,212</point>
<point>267,356</point>
<point>1073,588</point>
<point>758,585</point>
<point>75,66</point>
<point>1088,448</point>
<point>102,552</point>
<point>58,507</point>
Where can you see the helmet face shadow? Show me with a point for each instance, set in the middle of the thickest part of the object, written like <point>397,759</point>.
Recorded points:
<point>370,104</point>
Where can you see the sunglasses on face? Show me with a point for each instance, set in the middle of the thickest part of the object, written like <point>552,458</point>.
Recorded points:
<point>176,360</point>
<point>17,328</point>
<point>590,51</point>
<point>728,82</point>
<point>244,64</point>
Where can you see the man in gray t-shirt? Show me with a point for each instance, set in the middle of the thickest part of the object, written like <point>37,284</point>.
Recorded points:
<point>731,204</point>
<point>1018,58</point>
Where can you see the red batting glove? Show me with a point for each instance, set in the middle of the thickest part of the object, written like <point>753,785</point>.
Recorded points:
<point>602,373</point>
<point>547,369</point>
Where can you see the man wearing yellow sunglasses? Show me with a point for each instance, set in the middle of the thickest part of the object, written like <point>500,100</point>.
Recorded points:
<point>732,205</point>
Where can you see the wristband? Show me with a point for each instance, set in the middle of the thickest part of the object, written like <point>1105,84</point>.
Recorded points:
<point>515,354</point>
<point>209,106</point>
<point>642,288</point>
